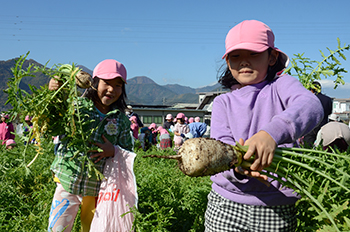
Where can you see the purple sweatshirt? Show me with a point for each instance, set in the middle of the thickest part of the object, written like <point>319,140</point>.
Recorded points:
<point>284,109</point>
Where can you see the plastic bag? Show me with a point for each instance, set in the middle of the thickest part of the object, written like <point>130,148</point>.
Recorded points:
<point>117,194</point>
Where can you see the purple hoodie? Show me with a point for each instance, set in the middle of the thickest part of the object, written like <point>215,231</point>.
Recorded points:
<point>284,109</point>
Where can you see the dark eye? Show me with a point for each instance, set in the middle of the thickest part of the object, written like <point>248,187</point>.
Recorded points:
<point>233,56</point>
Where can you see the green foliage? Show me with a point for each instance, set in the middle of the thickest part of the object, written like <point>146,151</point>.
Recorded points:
<point>308,70</point>
<point>168,200</point>
<point>54,112</point>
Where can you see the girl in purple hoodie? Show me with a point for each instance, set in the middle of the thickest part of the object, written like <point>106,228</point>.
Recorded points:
<point>264,109</point>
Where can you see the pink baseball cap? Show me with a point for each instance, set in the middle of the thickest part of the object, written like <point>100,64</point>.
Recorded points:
<point>180,115</point>
<point>27,118</point>
<point>169,116</point>
<point>197,119</point>
<point>153,126</point>
<point>191,120</point>
<point>10,142</point>
<point>110,69</point>
<point>252,35</point>
<point>133,118</point>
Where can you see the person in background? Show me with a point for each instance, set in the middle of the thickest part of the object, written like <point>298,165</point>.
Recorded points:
<point>308,140</point>
<point>104,105</point>
<point>168,121</point>
<point>7,130</point>
<point>180,129</point>
<point>154,132</point>
<point>28,127</point>
<point>165,139</point>
<point>134,127</point>
<point>10,144</point>
<point>190,120</point>
<point>197,128</point>
<point>130,112</point>
<point>145,138</point>
<point>264,109</point>
<point>334,134</point>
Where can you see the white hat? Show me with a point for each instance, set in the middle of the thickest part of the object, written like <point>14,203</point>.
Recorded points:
<point>333,117</point>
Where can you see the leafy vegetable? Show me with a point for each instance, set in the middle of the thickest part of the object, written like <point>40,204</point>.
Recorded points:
<point>53,112</point>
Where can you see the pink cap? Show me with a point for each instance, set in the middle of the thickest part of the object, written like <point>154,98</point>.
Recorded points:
<point>252,35</point>
<point>27,118</point>
<point>163,131</point>
<point>191,119</point>
<point>5,116</point>
<point>169,116</point>
<point>197,119</point>
<point>110,69</point>
<point>133,118</point>
<point>153,126</point>
<point>180,115</point>
<point>10,142</point>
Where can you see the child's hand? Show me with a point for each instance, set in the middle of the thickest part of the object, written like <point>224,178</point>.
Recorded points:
<point>54,84</point>
<point>107,147</point>
<point>263,146</point>
<point>262,178</point>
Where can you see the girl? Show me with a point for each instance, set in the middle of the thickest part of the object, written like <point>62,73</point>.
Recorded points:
<point>180,130</point>
<point>153,128</point>
<point>164,137</point>
<point>263,110</point>
<point>7,130</point>
<point>134,127</point>
<point>105,103</point>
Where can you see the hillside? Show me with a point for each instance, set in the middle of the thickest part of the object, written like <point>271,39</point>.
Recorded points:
<point>140,89</point>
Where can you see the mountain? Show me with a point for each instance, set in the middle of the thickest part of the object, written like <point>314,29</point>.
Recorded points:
<point>141,90</point>
<point>6,73</point>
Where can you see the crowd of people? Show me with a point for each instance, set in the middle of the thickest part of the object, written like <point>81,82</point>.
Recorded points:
<point>171,134</point>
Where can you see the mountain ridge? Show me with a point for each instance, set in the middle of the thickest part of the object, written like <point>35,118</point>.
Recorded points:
<point>140,90</point>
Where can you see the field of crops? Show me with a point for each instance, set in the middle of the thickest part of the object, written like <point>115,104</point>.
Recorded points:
<point>168,200</point>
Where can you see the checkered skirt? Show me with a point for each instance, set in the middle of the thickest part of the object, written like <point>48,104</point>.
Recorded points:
<point>225,215</point>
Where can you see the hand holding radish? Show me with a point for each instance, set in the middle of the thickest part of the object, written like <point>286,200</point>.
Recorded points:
<point>54,84</point>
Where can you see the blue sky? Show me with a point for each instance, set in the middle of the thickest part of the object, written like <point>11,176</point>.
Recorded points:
<point>171,42</point>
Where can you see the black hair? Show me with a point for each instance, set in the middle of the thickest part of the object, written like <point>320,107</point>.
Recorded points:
<point>226,79</point>
<point>91,93</point>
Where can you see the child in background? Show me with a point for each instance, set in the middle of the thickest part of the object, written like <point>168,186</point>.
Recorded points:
<point>145,138</point>
<point>153,128</point>
<point>164,137</point>
<point>197,128</point>
<point>10,144</point>
<point>180,129</point>
<point>105,103</point>
<point>6,129</point>
<point>28,127</point>
<point>134,127</point>
<point>263,110</point>
<point>169,122</point>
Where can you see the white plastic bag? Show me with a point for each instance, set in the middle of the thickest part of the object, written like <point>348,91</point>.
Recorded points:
<point>117,194</point>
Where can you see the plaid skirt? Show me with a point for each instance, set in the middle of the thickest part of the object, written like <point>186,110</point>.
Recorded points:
<point>225,215</point>
<point>165,143</point>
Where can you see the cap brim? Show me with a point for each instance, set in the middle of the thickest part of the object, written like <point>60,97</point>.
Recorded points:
<point>110,76</point>
<point>246,46</point>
